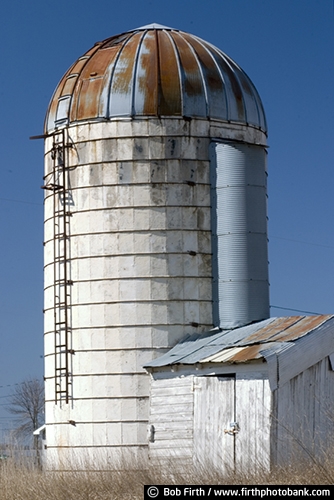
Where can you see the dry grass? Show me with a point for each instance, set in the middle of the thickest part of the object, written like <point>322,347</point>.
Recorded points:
<point>21,481</point>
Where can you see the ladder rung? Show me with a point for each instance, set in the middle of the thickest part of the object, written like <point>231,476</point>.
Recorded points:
<point>59,236</point>
<point>61,212</point>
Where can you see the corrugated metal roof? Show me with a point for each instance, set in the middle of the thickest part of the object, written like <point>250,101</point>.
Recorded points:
<point>243,344</point>
<point>285,329</point>
<point>155,71</point>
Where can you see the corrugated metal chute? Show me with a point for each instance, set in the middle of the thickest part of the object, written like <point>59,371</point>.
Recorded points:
<point>239,234</point>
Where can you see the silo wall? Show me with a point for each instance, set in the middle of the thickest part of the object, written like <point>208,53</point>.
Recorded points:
<point>140,266</point>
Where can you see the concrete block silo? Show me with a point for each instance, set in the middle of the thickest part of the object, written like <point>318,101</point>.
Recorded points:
<point>155,226</point>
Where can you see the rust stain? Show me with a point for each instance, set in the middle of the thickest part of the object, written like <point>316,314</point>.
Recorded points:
<point>281,330</point>
<point>86,95</point>
<point>301,328</point>
<point>91,85</point>
<point>89,98</point>
<point>247,354</point>
<point>235,355</point>
<point>286,329</point>
<point>69,85</point>
<point>170,91</point>
<point>72,76</point>
<point>122,80</point>
<point>193,81</point>
<point>78,65</point>
<point>277,326</point>
<point>211,73</point>
<point>148,80</point>
<point>92,51</point>
<point>236,89</point>
<point>99,62</point>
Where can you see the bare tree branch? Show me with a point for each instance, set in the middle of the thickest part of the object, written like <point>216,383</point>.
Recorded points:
<point>27,404</point>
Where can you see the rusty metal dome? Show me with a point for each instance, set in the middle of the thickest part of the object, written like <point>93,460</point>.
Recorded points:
<point>155,71</point>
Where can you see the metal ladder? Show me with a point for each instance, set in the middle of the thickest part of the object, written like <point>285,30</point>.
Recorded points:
<point>62,274</point>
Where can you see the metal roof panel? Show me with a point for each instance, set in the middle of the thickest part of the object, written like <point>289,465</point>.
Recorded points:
<point>289,328</point>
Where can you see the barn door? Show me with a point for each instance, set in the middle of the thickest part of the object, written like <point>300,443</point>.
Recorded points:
<point>214,412</point>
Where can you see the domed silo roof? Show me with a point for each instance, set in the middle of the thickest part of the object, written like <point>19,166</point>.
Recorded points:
<point>155,71</point>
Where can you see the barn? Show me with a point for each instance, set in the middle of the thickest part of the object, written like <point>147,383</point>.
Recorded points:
<point>246,398</point>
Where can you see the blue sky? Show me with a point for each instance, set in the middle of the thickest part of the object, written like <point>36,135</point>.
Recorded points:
<point>286,47</point>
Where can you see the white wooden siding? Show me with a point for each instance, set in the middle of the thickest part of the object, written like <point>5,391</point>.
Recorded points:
<point>190,415</point>
<point>311,350</point>
<point>213,412</point>
<point>171,414</point>
<point>295,421</point>
<point>253,414</point>
<point>304,413</point>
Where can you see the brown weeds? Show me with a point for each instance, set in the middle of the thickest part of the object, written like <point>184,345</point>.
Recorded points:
<point>22,481</point>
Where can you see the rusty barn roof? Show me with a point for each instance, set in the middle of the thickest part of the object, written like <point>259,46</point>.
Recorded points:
<point>244,344</point>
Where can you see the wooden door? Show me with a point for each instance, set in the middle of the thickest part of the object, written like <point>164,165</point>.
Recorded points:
<point>214,412</point>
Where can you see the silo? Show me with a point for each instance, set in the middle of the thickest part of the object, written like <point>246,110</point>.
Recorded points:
<point>155,226</point>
